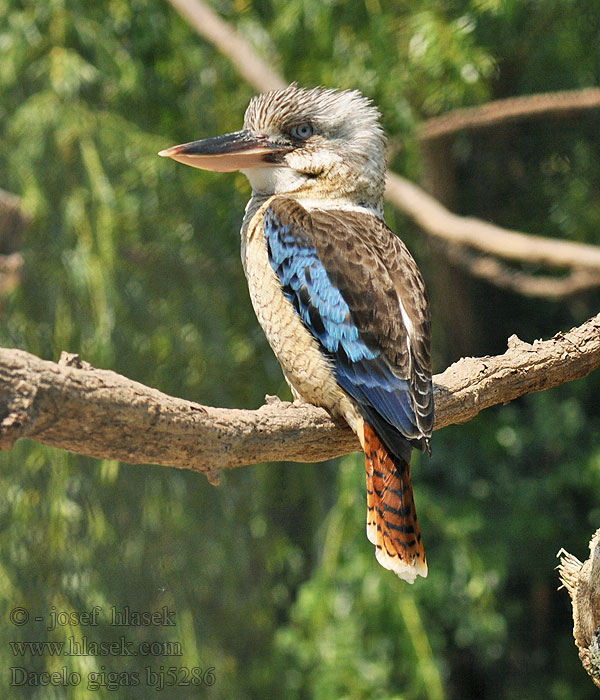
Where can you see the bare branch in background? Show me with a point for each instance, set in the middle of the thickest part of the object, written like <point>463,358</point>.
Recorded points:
<point>228,42</point>
<point>501,275</point>
<point>510,110</point>
<point>434,218</point>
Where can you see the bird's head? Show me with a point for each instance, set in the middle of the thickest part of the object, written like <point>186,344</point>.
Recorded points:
<point>310,143</point>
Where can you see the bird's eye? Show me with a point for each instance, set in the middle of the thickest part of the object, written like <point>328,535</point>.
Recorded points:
<point>302,131</point>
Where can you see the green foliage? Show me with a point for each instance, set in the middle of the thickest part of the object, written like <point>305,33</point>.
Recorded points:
<point>133,262</point>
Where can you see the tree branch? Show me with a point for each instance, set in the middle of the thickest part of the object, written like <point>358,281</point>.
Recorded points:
<point>582,581</point>
<point>510,109</point>
<point>541,286</point>
<point>99,413</point>
<point>434,218</point>
<point>227,41</point>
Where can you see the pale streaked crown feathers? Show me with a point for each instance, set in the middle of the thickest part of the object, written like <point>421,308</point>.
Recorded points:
<point>343,160</point>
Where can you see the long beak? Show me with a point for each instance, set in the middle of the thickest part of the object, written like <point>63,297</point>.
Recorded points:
<point>236,151</point>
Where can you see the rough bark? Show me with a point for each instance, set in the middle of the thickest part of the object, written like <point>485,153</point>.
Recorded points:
<point>99,413</point>
<point>582,581</point>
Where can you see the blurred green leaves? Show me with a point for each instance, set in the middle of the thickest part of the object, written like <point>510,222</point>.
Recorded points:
<point>134,263</point>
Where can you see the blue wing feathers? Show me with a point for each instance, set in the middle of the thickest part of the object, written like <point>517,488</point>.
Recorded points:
<point>360,369</point>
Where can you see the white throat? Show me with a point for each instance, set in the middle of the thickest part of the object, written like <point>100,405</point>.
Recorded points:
<point>266,182</point>
<point>275,180</point>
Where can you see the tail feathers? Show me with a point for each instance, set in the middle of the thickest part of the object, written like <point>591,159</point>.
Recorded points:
<point>391,516</point>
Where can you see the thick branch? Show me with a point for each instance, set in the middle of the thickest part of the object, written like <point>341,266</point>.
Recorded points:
<point>99,413</point>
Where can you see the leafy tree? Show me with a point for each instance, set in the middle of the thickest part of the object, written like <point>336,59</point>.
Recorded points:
<point>134,264</point>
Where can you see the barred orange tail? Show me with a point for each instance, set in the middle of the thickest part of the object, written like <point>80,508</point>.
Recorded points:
<point>391,516</point>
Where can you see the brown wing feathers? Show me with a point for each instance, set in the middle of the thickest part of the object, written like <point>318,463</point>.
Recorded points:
<point>375,273</point>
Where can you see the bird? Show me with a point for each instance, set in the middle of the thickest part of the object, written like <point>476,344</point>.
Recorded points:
<point>337,293</point>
